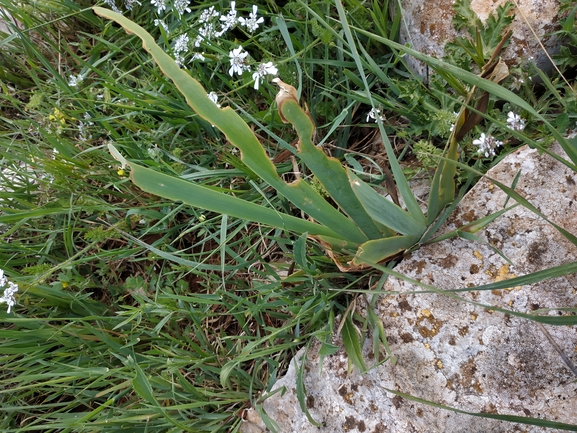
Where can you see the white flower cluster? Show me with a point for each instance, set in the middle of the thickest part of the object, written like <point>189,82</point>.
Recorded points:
<point>10,289</point>
<point>262,70</point>
<point>210,19</point>
<point>373,114</point>
<point>181,6</point>
<point>251,23</point>
<point>160,5</point>
<point>214,98</point>
<point>487,144</point>
<point>75,80</point>
<point>515,122</point>
<point>211,25</point>
<point>180,48</point>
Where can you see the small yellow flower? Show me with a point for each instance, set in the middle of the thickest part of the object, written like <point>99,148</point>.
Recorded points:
<point>57,116</point>
<point>121,172</point>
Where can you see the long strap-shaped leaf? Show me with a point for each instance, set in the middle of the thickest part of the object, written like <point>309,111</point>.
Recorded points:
<point>190,193</point>
<point>329,171</point>
<point>240,135</point>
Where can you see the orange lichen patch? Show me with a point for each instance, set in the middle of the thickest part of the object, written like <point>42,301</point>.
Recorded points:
<point>474,316</point>
<point>468,377</point>
<point>501,274</point>
<point>427,325</point>
<point>478,255</point>
<point>504,274</point>
<point>439,364</point>
<point>346,394</point>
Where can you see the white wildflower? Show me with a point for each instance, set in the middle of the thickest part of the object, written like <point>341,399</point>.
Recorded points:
<point>160,5</point>
<point>373,114</point>
<point>179,59</point>
<point>253,20</point>
<point>181,44</point>
<point>205,32</point>
<point>262,71</point>
<point>516,123</point>
<point>214,98</point>
<point>487,144</point>
<point>198,56</point>
<point>159,23</point>
<point>181,6</point>
<point>129,4</point>
<point>207,14</point>
<point>517,83</point>
<point>154,152</point>
<point>8,295</point>
<point>180,48</point>
<point>113,6</point>
<point>83,134</point>
<point>237,61</point>
<point>229,20</point>
<point>75,80</point>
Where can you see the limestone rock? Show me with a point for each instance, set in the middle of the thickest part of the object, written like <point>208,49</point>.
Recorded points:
<point>453,352</point>
<point>427,27</point>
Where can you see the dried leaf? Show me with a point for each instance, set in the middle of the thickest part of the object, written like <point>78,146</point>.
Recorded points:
<point>286,93</point>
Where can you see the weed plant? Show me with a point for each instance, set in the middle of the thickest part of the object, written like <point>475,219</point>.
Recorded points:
<point>127,311</point>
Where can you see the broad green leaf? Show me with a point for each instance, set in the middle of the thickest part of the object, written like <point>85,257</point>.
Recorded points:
<point>226,371</point>
<point>300,252</point>
<point>329,171</point>
<point>383,210</point>
<point>143,388</point>
<point>381,249</point>
<point>201,196</point>
<point>442,190</point>
<point>353,344</point>
<point>328,349</point>
<point>240,135</point>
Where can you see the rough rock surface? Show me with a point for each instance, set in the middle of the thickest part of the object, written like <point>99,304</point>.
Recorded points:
<point>453,352</point>
<point>427,27</point>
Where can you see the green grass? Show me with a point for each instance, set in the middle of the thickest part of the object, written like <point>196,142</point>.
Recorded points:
<point>140,313</point>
